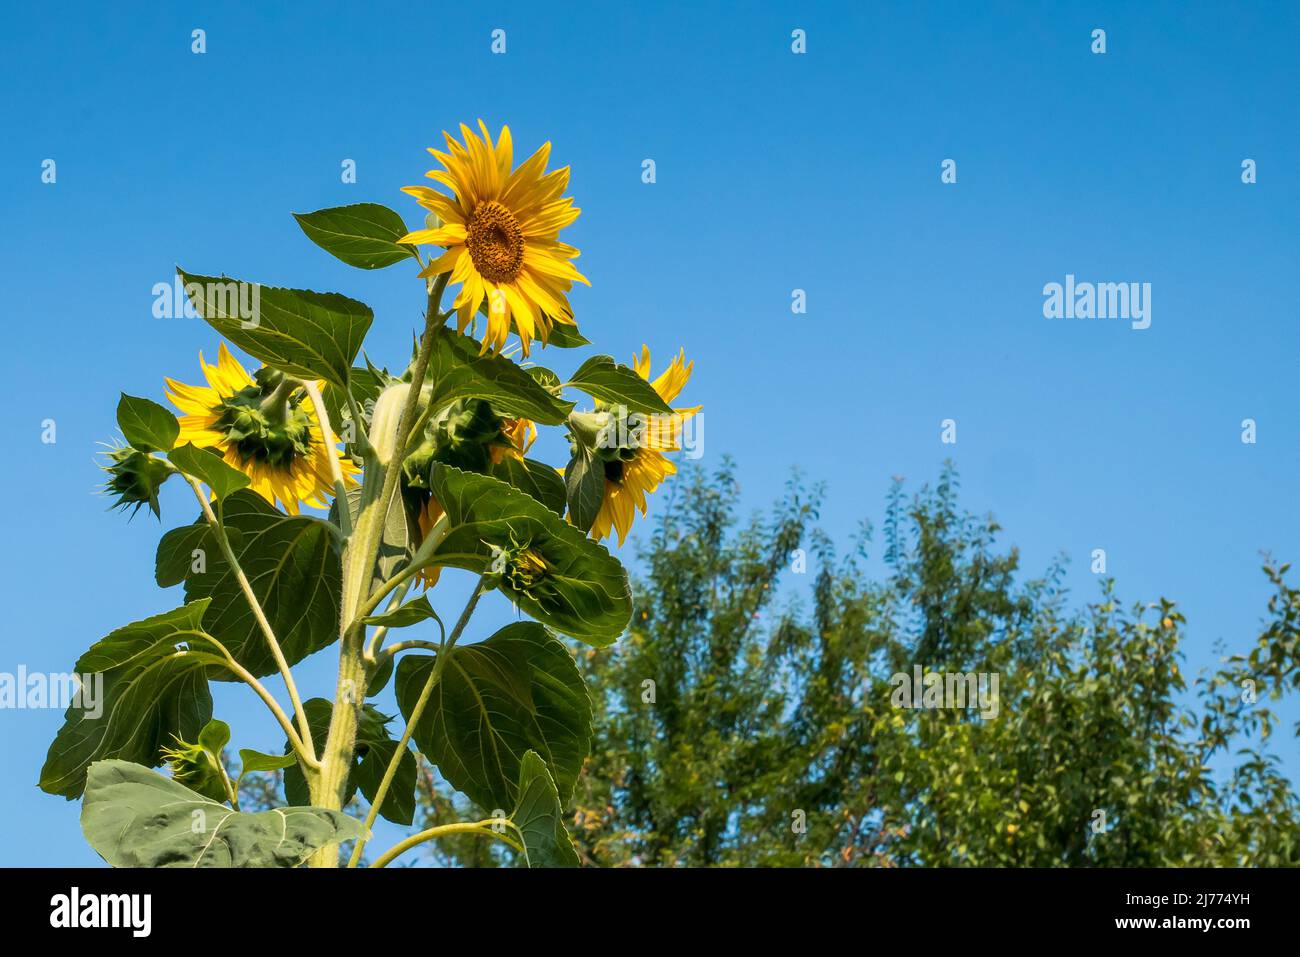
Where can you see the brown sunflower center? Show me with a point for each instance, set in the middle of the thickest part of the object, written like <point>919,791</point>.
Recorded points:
<point>495,242</point>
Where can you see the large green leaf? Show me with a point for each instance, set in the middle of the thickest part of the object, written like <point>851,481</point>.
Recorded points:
<point>518,691</point>
<point>457,371</point>
<point>539,817</point>
<point>135,817</point>
<point>584,592</point>
<point>208,467</point>
<point>603,378</point>
<point>306,334</point>
<point>533,478</point>
<point>153,691</point>
<point>363,235</point>
<point>146,425</point>
<point>293,566</point>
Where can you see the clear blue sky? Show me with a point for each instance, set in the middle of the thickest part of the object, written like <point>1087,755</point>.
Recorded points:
<point>775,172</point>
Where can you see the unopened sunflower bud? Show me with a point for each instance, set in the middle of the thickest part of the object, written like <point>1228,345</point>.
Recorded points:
<point>195,767</point>
<point>134,478</point>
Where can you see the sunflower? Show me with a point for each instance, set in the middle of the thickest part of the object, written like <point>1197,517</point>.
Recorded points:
<point>264,426</point>
<point>637,471</point>
<point>501,235</point>
<point>517,435</point>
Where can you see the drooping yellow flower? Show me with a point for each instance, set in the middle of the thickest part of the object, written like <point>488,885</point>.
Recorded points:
<point>267,430</point>
<point>641,469</point>
<point>501,234</point>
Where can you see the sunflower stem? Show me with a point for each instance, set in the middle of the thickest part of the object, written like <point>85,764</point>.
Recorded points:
<point>276,405</point>
<point>359,556</point>
<point>444,651</point>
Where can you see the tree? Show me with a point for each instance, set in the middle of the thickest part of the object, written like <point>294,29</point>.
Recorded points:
<point>750,716</point>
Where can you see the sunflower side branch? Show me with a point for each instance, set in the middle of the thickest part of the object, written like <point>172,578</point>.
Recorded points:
<point>228,661</point>
<point>486,828</point>
<point>255,606</point>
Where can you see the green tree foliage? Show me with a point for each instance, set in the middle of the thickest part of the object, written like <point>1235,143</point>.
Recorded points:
<point>748,718</point>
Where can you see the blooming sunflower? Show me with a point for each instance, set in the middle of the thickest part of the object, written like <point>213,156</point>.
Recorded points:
<point>501,235</point>
<point>264,426</point>
<point>637,471</point>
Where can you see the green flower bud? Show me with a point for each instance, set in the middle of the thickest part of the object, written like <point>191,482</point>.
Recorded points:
<point>134,478</point>
<point>196,767</point>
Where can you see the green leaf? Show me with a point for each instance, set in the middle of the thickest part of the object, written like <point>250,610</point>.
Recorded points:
<point>540,818</point>
<point>533,478</point>
<point>584,486</point>
<point>176,551</point>
<point>252,762</point>
<point>566,337</point>
<point>379,680</point>
<point>518,691</point>
<point>293,566</point>
<point>412,613</point>
<point>146,425</point>
<point>306,334</point>
<point>457,371</point>
<point>209,468</point>
<point>547,379</point>
<point>399,802</point>
<point>602,378</point>
<point>584,592</point>
<point>134,817</point>
<point>152,692</point>
<point>363,235</point>
<point>214,737</point>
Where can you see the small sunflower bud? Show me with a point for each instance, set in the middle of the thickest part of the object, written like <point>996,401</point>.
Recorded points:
<point>196,767</point>
<point>134,478</point>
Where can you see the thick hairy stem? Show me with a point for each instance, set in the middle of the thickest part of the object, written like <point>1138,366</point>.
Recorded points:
<point>359,556</point>
<point>413,718</point>
<point>223,541</point>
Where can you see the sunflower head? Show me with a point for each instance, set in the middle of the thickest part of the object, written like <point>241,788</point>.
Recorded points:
<point>500,234</point>
<point>265,426</point>
<point>630,448</point>
<point>134,478</point>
